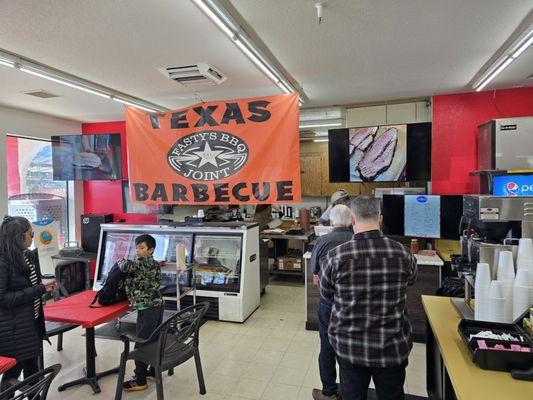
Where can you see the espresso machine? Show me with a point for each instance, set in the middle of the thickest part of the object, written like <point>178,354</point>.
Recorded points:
<point>489,225</point>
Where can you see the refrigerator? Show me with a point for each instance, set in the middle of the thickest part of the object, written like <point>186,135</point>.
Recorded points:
<point>505,144</point>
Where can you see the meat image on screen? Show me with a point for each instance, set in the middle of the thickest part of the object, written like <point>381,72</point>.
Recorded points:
<point>377,153</point>
<point>361,138</point>
<point>379,157</point>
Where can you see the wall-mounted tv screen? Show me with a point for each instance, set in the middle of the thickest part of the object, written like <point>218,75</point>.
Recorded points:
<point>129,207</point>
<point>87,157</point>
<point>422,216</point>
<point>380,153</point>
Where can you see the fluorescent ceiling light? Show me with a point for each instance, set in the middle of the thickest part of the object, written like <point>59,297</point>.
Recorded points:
<point>493,75</point>
<point>320,140</point>
<point>284,87</point>
<point>256,61</point>
<point>64,82</point>
<point>319,125</point>
<point>524,46</point>
<point>221,18</point>
<point>7,63</point>
<point>132,104</point>
<point>214,17</point>
<point>512,53</point>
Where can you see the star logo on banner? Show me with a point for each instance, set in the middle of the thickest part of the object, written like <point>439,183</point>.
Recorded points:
<point>208,156</point>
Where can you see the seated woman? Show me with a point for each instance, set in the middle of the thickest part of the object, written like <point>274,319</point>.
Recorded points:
<point>21,311</point>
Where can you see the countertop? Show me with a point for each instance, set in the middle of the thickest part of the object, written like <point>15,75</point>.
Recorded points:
<point>469,381</point>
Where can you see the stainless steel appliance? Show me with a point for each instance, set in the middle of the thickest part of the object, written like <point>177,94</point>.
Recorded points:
<point>492,224</point>
<point>505,144</point>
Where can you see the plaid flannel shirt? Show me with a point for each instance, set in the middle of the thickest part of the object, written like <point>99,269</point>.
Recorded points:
<point>366,278</point>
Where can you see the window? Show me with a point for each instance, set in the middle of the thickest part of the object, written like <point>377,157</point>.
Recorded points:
<point>33,194</point>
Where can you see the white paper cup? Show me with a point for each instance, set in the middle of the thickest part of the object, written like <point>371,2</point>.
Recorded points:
<point>496,311</point>
<point>525,253</point>
<point>505,266</point>
<point>483,274</point>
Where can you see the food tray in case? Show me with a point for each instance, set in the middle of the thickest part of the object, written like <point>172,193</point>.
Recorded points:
<point>497,360</point>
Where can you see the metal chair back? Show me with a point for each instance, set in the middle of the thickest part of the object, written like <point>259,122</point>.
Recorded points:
<point>34,387</point>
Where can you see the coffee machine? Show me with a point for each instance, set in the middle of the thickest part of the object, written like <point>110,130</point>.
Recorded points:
<point>489,225</point>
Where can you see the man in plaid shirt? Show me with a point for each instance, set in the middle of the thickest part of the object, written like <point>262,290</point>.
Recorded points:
<point>366,278</point>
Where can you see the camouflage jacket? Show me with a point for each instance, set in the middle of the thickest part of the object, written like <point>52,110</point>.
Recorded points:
<point>143,282</point>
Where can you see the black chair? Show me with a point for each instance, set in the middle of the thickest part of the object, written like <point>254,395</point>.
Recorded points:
<point>172,343</point>
<point>34,387</point>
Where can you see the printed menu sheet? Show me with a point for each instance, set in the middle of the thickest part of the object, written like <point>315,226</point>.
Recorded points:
<point>422,216</point>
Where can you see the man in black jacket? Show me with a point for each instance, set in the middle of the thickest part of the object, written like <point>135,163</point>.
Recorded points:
<point>341,219</point>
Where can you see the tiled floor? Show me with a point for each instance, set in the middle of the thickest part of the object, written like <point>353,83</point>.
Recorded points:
<point>271,356</point>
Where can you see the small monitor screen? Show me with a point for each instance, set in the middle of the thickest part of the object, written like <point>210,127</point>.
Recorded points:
<point>393,211</point>
<point>87,157</point>
<point>451,211</point>
<point>422,216</point>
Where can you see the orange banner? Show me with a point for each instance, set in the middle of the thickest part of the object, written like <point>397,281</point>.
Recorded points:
<point>220,152</point>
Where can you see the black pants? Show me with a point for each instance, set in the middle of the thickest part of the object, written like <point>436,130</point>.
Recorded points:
<point>355,380</point>
<point>147,321</point>
<point>326,358</point>
<point>30,366</point>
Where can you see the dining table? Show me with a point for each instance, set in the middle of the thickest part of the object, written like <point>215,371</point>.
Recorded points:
<point>77,309</point>
<point>6,363</point>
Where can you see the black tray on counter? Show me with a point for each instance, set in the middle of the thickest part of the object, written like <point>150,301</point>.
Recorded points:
<point>497,360</point>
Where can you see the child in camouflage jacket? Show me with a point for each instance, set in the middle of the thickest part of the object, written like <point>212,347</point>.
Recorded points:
<point>142,288</point>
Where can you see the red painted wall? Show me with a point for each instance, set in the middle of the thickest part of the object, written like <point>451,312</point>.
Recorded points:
<point>103,197</point>
<point>455,120</point>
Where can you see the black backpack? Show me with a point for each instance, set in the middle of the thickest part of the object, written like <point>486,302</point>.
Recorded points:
<point>113,290</point>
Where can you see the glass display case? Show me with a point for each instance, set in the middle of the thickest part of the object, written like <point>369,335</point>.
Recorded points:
<point>219,262</point>
<point>119,245</point>
<point>226,256</point>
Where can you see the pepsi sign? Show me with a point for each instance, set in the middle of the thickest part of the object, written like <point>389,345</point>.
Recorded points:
<point>512,185</point>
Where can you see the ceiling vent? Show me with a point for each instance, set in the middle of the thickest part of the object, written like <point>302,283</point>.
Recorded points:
<point>195,74</point>
<point>42,94</point>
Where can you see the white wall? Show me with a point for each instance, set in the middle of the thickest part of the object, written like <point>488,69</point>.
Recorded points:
<point>25,123</point>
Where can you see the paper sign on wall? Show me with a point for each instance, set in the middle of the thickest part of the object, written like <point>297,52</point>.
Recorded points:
<point>46,240</point>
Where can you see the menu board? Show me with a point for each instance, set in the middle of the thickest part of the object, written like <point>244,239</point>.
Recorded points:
<point>422,216</point>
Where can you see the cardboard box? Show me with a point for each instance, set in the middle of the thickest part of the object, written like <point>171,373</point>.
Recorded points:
<point>290,263</point>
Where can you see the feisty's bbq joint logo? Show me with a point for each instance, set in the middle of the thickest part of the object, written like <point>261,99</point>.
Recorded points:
<point>208,155</point>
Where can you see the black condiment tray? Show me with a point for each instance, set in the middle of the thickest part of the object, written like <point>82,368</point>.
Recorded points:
<point>496,360</point>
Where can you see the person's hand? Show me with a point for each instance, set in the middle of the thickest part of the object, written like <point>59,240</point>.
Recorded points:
<point>50,287</point>
<point>315,280</point>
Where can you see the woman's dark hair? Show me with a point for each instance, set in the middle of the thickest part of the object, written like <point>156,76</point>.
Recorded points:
<point>148,240</point>
<point>12,247</point>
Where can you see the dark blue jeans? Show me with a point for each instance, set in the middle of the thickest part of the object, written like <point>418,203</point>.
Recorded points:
<point>326,358</point>
<point>355,380</point>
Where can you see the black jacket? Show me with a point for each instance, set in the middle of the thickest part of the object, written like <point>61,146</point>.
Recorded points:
<point>21,334</point>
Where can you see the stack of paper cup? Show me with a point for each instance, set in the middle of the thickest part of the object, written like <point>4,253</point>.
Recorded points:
<point>524,259</point>
<point>525,252</point>
<point>481,291</point>
<point>523,291</point>
<point>506,276</point>
<point>496,302</point>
